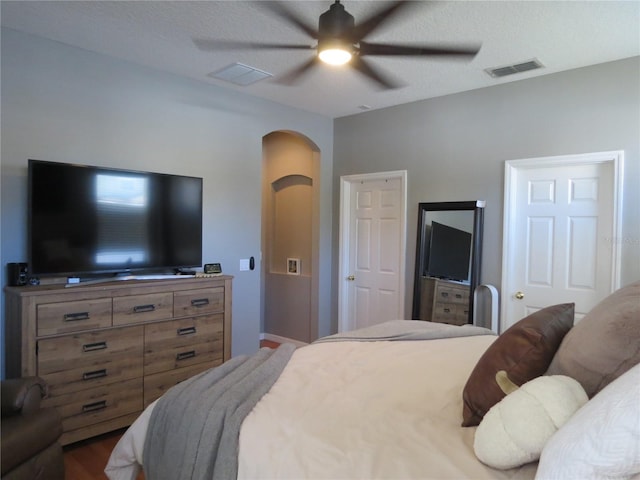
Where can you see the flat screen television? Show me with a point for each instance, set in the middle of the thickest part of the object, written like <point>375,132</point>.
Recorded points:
<point>88,221</point>
<point>449,253</point>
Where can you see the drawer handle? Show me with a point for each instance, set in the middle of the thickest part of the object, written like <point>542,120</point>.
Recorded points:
<point>94,374</point>
<point>74,317</point>
<point>91,347</point>
<point>458,295</point>
<point>445,294</point>
<point>94,407</point>
<point>144,308</point>
<point>186,330</point>
<point>447,310</point>
<point>199,302</point>
<point>185,355</point>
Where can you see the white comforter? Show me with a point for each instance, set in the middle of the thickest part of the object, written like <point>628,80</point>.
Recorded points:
<point>356,410</point>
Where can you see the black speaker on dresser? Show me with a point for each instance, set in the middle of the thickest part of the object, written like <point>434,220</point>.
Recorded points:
<point>17,274</point>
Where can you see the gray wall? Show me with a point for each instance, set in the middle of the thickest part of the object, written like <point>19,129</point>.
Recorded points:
<point>66,104</point>
<point>454,147</point>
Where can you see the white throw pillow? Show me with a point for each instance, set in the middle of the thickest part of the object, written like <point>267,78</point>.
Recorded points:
<point>515,430</point>
<point>602,439</point>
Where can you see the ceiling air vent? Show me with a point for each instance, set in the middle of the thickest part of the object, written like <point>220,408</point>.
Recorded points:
<point>240,74</point>
<point>511,69</point>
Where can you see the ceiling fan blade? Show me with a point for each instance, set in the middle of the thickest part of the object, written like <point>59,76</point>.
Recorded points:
<point>417,50</point>
<point>283,12</point>
<point>374,74</point>
<point>211,45</point>
<point>296,74</point>
<point>374,21</point>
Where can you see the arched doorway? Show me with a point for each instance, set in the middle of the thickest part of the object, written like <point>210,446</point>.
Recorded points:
<point>290,243</point>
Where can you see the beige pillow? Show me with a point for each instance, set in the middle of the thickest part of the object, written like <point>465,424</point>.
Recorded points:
<point>604,344</point>
<point>523,351</point>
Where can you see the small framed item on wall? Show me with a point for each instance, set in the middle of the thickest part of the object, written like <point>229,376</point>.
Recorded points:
<point>293,266</point>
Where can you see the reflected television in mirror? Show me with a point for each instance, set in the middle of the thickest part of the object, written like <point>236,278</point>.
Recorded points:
<point>448,260</point>
<point>449,253</point>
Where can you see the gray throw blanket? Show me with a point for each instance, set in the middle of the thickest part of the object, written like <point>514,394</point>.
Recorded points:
<point>194,428</point>
<point>406,330</point>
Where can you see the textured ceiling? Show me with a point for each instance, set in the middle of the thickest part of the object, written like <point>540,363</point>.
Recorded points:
<point>561,35</point>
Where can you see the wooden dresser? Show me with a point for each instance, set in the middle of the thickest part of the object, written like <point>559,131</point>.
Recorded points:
<point>108,350</point>
<point>444,302</point>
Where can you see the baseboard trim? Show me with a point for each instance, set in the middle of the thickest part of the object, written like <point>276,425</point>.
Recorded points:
<point>279,339</point>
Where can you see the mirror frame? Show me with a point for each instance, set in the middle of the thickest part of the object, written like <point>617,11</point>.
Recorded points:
<point>477,207</point>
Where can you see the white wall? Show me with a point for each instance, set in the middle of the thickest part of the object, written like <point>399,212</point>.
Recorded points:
<point>454,147</point>
<point>66,104</point>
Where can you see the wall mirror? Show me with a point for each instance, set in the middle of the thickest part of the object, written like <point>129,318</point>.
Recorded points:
<point>448,261</point>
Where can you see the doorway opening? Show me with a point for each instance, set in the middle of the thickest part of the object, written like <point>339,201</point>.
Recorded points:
<point>290,237</point>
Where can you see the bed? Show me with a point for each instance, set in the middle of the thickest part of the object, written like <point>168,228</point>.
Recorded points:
<point>390,401</point>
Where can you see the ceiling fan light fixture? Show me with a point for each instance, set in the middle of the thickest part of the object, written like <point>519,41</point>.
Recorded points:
<point>334,30</point>
<point>335,56</point>
<point>342,44</point>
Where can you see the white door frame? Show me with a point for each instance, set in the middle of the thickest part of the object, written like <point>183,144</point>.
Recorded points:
<point>510,186</point>
<point>346,183</point>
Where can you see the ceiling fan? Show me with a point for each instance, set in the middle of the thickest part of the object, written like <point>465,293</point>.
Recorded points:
<point>341,41</point>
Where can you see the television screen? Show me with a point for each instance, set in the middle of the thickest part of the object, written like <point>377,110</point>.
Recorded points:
<point>449,253</point>
<point>93,220</point>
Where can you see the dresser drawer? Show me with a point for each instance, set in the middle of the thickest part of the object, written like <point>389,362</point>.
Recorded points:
<point>182,343</point>
<point>462,314</point>
<point>66,317</point>
<point>451,313</point>
<point>196,302</point>
<point>88,350</point>
<point>155,385</point>
<point>451,294</point>
<point>114,369</point>
<point>142,308</point>
<point>98,404</point>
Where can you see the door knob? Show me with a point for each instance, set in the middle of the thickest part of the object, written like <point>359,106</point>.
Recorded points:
<point>351,278</point>
<point>519,295</point>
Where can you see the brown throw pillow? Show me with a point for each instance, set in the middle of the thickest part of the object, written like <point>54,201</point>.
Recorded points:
<point>524,351</point>
<point>604,344</point>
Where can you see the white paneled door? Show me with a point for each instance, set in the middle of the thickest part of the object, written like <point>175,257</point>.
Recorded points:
<point>561,222</point>
<point>373,228</point>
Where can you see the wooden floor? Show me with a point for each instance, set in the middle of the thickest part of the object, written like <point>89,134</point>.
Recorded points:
<point>86,460</point>
<point>268,343</point>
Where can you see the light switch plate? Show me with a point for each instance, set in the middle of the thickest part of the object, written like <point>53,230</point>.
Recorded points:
<point>244,264</point>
